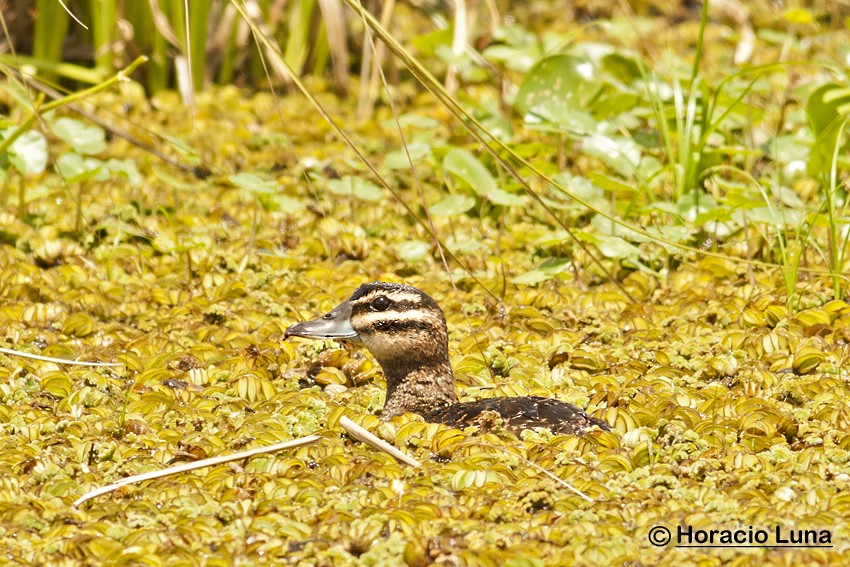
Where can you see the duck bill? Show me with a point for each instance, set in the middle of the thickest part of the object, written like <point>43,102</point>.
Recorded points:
<point>333,325</point>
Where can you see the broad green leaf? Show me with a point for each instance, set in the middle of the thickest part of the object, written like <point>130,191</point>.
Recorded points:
<point>828,109</point>
<point>18,93</point>
<point>552,238</point>
<point>468,169</point>
<point>411,120</point>
<point>695,203</point>
<point>545,271</point>
<point>253,183</point>
<point>515,47</point>
<point>788,197</point>
<point>617,248</point>
<point>498,126</point>
<point>75,168</point>
<point>356,187</point>
<point>560,89</point>
<point>504,198</point>
<point>662,207</point>
<point>84,138</point>
<point>611,184</point>
<point>453,205</point>
<point>412,250</point>
<point>622,68</point>
<point>791,150</point>
<point>607,227</point>
<point>619,152</point>
<point>467,66</point>
<point>398,159</point>
<point>127,168</point>
<point>518,59</point>
<point>287,204</point>
<point>427,43</point>
<point>29,152</point>
<point>673,233</point>
<point>583,188</point>
<point>367,191</point>
<point>560,205</point>
<point>776,216</point>
<point>464,245</point>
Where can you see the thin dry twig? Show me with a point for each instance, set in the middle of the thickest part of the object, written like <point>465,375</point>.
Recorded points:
<point>56,360</point>
<point>362,435</point>
<point>550,474</point>
<point>558,479</point>
<point>196,465</point>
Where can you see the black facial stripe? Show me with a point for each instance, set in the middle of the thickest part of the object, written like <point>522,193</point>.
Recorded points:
<point>398,326</point>
<point>395,307</point>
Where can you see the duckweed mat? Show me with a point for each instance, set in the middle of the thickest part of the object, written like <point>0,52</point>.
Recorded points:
<point>729,408</point>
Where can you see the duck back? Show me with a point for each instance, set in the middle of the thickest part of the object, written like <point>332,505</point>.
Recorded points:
<point>519,413</point>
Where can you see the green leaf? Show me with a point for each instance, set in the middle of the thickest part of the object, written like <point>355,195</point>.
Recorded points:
<point>619,152</point>
<point>589,190</point>
<point>398,159</point>
<point>85,139</point>
<point>545,271</point>
<point>76,168</point>
<point>287,204</point>
<point>468,169</point>
<point>356,187</point>
<point>617,248</point>
<point>411,120</point>
<point>622,68</point>
<point>611,184</point>
<point>560,89</point>
<point>606,226</point>
<point>18,92</point>
<point>29,152</point>
<point>127,168</point>
<point>453,205</point>
<point>695,203</point>
<point>412,250</point>
<point>465,245</point>
<point>673,233</point>
<point>253,183</point>
<point>662,207</point>
<point>514,47</point>
<point>828,109</point>
<point>472,172</point>
<point>504,198</point>
<point>427,43</point>
<point>789,149</point>
<point>776,216</point>
<point>518,59</point>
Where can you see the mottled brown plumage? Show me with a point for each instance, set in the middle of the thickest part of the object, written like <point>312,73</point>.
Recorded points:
<point>405,330</point>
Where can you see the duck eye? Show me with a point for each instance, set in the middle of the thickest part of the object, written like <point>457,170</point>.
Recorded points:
<point>380,303</point>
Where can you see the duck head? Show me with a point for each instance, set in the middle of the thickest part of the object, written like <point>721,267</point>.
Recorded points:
<point>406,332</point>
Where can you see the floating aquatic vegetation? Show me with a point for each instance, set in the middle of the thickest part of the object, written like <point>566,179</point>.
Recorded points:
<point>729,407</point>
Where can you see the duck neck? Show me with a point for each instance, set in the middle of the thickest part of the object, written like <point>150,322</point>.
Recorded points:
<point>418,388</point>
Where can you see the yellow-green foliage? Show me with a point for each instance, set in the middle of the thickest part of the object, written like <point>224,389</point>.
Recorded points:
<point>729,409</point>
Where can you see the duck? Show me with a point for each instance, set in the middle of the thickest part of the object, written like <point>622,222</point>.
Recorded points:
<point>406,332</point>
